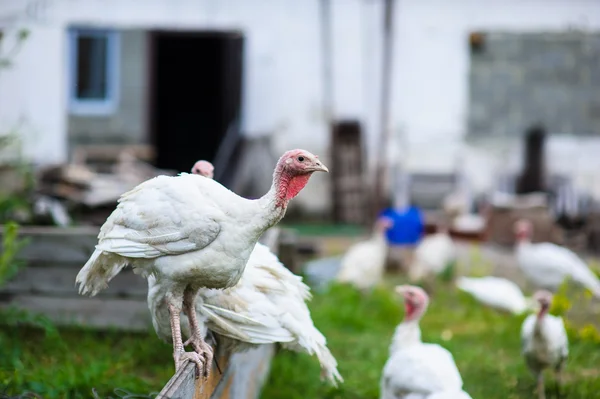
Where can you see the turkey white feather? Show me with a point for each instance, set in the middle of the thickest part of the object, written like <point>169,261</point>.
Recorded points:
<point>450,395</point>
<point>191,232</point>
<point>546,265</point>
<point>496,292</point>
<point>544,342</point>
<point>432,255</point>
<point>415,367</point>
<point>440,395</point>
<point>363,264</point>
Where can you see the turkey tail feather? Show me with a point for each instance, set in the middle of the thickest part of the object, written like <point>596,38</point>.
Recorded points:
<point>329,369</point>
<point>98,271</point>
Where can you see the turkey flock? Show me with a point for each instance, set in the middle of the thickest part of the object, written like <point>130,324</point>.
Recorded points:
<point>212,282</point>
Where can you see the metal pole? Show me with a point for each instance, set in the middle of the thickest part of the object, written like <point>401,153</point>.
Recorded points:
<point>386,83</point>
<point>328,87</point>
<point>326,54</point>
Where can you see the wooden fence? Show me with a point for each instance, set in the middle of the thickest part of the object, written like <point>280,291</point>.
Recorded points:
<point>47,286</point>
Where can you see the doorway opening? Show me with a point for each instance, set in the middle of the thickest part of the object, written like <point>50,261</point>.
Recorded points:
<point>195,91</point>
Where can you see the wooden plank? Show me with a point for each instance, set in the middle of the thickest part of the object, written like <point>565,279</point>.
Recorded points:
<point>251,371</point>
<point>243,376</point>
<point>55,244</point>
<point>94,312</point>
<point>184,383</point>
<point>60,281</point>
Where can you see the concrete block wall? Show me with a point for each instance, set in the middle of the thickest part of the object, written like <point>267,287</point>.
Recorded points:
<point>519,79</point>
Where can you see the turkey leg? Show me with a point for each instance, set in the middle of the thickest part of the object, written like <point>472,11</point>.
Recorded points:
<point>558,381</point>
<point>179,355</point>
<point>540,387</point>
<point>196,339</point>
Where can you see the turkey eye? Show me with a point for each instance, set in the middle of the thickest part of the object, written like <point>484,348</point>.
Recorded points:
<point>301,159</point>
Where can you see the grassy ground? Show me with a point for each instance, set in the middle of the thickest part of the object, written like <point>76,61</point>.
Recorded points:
<point>485,344</point>
<point>69,363</point>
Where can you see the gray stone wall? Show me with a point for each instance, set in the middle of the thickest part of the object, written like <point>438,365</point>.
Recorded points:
<point>128,124</point>
<point>519,79</point>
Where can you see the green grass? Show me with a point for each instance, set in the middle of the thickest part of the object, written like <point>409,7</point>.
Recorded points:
<point>72,362</point>
<point>485,345</point>
<point>326,230</point>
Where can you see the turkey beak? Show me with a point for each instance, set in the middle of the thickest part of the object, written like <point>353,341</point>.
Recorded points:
<point>319,167</point>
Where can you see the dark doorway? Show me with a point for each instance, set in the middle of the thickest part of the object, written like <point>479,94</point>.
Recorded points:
<point>195,95</point>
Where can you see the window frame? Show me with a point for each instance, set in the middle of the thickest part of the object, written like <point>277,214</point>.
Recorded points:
<point>108,105</point>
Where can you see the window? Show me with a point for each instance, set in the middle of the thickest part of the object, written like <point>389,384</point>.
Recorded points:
<point>93,73</point>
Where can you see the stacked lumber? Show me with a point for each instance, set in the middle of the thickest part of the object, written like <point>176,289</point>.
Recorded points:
<point>95,179</point>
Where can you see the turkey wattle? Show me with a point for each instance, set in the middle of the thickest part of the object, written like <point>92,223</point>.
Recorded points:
<point>415,367</point>
<point>267,305</point>
<point>546,265</point>
<point>544,342</point>
<point>191,232</point>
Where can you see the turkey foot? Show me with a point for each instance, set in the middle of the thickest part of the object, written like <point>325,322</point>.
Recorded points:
<point>179,355</point>
<point>200,346</point>
<point>203,349</point>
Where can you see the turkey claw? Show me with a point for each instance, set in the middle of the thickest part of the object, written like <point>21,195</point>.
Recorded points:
<point>182,357</point>
<point>203,349</point>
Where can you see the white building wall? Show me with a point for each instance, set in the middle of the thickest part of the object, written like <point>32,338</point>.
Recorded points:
<point>283,85</point>
<point>431,79</point>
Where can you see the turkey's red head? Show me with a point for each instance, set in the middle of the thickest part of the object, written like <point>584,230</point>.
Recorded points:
<point>293,171</point>
<point>415,301</point>
<point>523,229</point>
<point>383,223</point>
<point>203,168</point>
<point>544,299</point>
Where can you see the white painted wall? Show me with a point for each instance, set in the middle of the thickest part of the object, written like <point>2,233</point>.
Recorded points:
<point>283,85</point>
<point>431,79</point>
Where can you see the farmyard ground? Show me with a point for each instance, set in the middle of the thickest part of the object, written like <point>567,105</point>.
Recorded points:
<point>485,343</point>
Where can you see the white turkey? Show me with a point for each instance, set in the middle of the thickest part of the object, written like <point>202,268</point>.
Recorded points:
<point>363,264</point>
<point>546,265</point>
<point>449,395</point>
<point>414,367</point>
<point>267,305</point>
<point>191,232</point>
<point>440,395</point>
<point>432,256</point>
<point>544,342</point>
<point>496,292</point>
